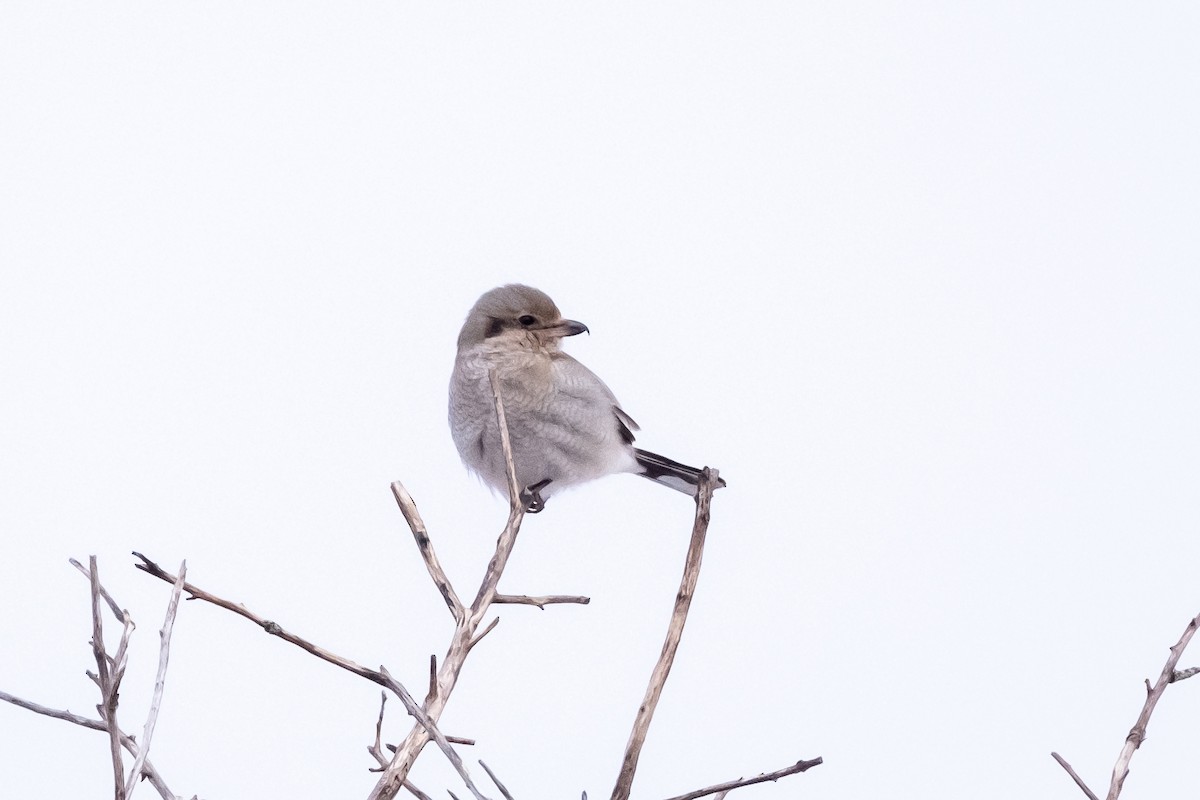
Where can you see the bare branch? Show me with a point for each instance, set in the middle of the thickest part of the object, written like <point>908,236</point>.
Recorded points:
<point>160,680</point>
<point>109,680</point>
<point>431,728</point>
<point>108,598</point>
<point>408,507</point>
<point>432,693</point>
<point>1138,734</point>
<point>380,676</point>
<point>724,788</point>
<point>491,625</point>
<point>540,602</point>
<point>514,488</point>
<point>495,780</point>
<point>156,780</point>
<point>1062,762</point>
<point>376,749</point>
<point>267,625</point>
<point>466,626</point>
<point>1184,674</point>
<point>683,600</point>
<point>415,792</point>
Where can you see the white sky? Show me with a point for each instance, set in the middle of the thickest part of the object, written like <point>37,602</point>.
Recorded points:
<point>919,278</point>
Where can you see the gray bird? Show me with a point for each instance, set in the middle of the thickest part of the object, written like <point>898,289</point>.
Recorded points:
<point>565,426</point>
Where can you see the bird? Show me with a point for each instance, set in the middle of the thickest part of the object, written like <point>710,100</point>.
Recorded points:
<point>565,425</point>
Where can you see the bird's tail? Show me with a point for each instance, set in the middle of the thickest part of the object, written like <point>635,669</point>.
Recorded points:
<point>661,469</point>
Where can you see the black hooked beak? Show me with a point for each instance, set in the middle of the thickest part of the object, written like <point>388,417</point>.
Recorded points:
<point>566,327</point>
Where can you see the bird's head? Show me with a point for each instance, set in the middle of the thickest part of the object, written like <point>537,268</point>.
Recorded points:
<point>517,313</point>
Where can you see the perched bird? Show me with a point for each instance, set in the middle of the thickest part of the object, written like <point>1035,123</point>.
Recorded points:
<point>565,426</point>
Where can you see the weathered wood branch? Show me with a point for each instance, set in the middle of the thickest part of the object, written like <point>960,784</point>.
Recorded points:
<point>662,669</point>
<point>1137,734</point>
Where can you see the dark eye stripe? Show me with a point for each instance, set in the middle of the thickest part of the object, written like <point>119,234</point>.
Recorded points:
<point>494,328</point>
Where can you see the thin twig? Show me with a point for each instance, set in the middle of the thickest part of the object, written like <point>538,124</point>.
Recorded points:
<point>376,749</point>
<point>1062,762</point>
<point>127,742</point>
<point>495,780</point>
<point>683,600</point>
<point>432,693</point>
<point>542,601</point>
<point>1184,674</point>
<point>408,507</point>
<point>451,739</point>
<point>491,625</point>
<point>109,680</point>
<point>1138,734</point>
<point>799,766</point>
<point>415,792</point>
<point>108,598</point>
<point>160,679</point>
<point>267,625</point>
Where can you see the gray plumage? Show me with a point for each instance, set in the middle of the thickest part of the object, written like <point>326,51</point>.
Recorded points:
<point>565,425</point>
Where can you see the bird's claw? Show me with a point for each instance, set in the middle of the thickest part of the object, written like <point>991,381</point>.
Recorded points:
<point>532,498</point>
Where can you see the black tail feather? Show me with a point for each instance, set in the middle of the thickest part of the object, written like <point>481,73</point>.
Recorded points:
<point>661,469</point>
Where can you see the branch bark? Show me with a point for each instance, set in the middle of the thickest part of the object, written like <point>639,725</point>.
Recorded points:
<point>160,680</point>
<point>1062,762</point>
<point>1138,734</point>
<point>725,788</point>
<point>109,677</point>
<point>683,601</point>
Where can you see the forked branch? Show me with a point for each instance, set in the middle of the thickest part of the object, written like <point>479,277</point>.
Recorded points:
<point>467,619</point>
<point>108,677</point>
<point>1137,734</point>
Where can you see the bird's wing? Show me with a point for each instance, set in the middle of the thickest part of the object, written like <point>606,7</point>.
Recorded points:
<point>580,382</point>
<point>625,424</point>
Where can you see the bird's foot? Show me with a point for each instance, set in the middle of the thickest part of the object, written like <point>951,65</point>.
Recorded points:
<point>532,498</point>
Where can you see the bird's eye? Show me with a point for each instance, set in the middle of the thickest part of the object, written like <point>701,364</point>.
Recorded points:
<point>527,320</point>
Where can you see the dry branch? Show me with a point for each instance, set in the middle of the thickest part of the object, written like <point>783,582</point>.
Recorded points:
<point>725,788</point>
<point>1137,734</point>
<point>495,780</point>
<point>108,598</point>
<point>376,749</point>
<point>408,507</point>
<point>109,677</point>
<point>164,652</point>
<point>467,620</point>
<point>380,676</point>
<point>148,769</point>
<point>110,669</point>
<point>542,601</point>
<point>683,600</point>
<point>466,634</point>
<point>196,593</point>
<point>1062,762</point>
